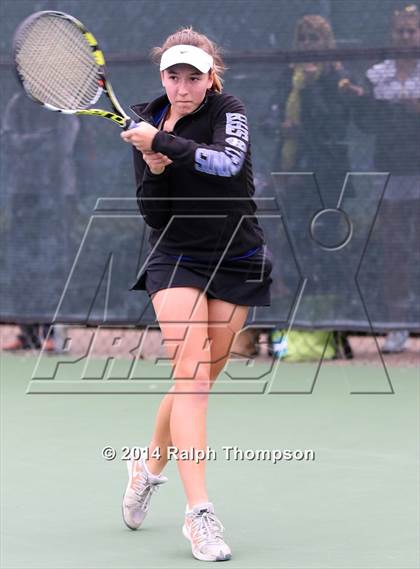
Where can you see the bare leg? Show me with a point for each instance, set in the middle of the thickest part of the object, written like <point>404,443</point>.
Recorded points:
<point>224,321</point>
<point>183,316</point>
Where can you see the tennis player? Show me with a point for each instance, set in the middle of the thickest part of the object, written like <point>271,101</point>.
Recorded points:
<point>208,263</point>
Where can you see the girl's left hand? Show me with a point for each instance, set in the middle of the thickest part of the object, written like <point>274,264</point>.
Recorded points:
<point>141,137</point>
<point>156,161</point>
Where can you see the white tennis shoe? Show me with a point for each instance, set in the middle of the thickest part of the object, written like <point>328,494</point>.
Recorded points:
<point>205,533</point>
<point>140,488</point>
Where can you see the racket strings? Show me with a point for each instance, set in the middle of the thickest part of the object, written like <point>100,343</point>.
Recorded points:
<point>57,65</point>
<point>61,68</point>
<point>55,48</point>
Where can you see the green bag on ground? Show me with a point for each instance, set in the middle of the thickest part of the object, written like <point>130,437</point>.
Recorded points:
<point>303,345</point>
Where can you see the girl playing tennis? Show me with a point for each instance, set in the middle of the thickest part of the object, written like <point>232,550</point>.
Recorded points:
<point>208,262</point>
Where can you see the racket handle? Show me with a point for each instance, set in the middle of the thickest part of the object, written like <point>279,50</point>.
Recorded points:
<point>131,124</point>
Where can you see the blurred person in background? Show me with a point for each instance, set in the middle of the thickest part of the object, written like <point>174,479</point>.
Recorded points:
<point>32,337</point>
<point>314,119</point>
<point>390,109</point>
<point>37,201</point>
<point>317,111</point>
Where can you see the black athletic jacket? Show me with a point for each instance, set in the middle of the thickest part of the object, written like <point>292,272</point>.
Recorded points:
<point>202,204</point>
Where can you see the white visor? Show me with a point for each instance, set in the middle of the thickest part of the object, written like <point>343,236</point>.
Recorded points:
<point>188,54</point>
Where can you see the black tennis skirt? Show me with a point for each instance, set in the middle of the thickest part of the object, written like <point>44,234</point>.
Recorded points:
<point>243,281</point>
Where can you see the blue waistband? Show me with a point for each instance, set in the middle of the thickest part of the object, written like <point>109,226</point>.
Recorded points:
<point>244,256</point>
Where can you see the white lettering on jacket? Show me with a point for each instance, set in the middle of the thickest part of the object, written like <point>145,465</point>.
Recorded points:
<point>229,162</point>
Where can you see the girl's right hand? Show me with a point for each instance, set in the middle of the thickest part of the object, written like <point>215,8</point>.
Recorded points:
<point>156,161</point>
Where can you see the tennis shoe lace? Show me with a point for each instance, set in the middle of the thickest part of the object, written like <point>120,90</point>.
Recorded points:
<point>206,529</point>
<point>143,490</point>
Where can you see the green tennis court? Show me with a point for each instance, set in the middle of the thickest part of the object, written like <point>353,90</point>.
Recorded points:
<point>356,505</point>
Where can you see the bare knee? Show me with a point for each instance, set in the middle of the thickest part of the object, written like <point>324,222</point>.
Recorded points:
<point>192,370</point>
<point>194,379</point>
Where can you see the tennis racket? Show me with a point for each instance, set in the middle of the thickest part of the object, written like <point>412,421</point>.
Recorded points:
<point>60,66</point>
